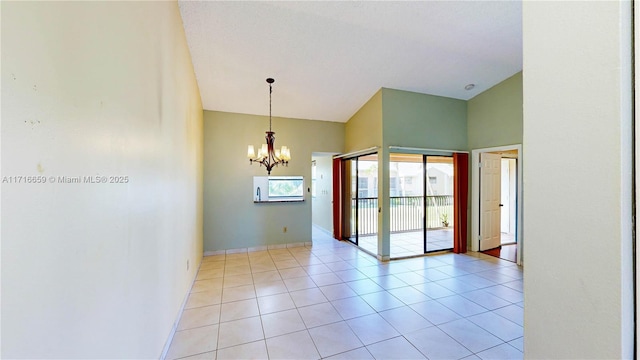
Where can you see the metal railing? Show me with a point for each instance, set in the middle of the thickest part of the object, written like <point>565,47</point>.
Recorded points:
<point>407,213</point>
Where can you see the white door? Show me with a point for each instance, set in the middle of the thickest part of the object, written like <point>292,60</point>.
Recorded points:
<point>505,210</point>
<point>489,201</point>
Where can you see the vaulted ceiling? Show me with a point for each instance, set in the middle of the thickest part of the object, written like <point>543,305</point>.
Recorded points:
<point>329,58</point>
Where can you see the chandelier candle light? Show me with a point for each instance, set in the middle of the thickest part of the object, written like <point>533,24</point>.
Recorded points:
<point>267,156</point>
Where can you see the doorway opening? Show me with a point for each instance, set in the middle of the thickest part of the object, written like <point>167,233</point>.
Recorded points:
<point>321,187</point>
<point>496,207</point>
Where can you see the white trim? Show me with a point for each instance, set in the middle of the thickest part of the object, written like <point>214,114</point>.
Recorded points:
<point>475,197</point>
<point>257,248</point>
<point>424,151</point>
<point>174,328</point>
<point>366,151</point>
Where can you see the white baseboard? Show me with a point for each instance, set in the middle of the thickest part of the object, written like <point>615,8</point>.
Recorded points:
<point>174,328</point>
<point>257,248</point>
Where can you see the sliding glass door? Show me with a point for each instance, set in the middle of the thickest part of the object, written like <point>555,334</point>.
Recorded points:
<point>361,202</point>
<point>439,203</point>
<point>421,204</point>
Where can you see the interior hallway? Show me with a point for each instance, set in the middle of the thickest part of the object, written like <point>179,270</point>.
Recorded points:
<point>331,300</point>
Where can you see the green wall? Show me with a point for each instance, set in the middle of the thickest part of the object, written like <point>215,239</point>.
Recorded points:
<point>495,116</point>
<point>231,219</point>
<point>364,128</point>
<point>419,120</point>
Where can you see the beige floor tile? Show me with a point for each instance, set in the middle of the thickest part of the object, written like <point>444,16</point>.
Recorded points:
<point>211,355</point>
<point>396,348</point>
<point>239,332</point>
<point>294,346</point>
<point>281,323</point>
<point>237,280</point>
<point>513,313</point>
<point>435,312</point>
<point>246,303</point>
<point>357,354</point>
<point>265,277</point>
<point>326,279</point>
<point>405,319</point>
<point>502,351</point>
<point>270,288</point>
<point>498,326</point>
<point>319,314</point>
<point>193,341</point>
<point>257,268</point>
<point>352,307</point>
<point>284,256</point>
<point>206,285</point>
<point>436,344</point>
<point>204,298</point>
<point>286,264</point>
<point>334,338</point>
<point>364,286</point>
<point>213,265</point>
<point>238,293</point>
<point>317,269</point>
<point>372,329</point>
<point>213,258</point>
<point>254,350</point>
<point>197,317</point>
<point>409,295</point>
<point>337,291</point>
<point>381,301</point>
<point>292,272</point>
<point>470,335</point>
<point>210,274</point>
<point>239,310</point>
<point>350,275</point>
<point>238,269</point>
<point>275,303</point>
<point>308,297</point>
<point>299,283</point>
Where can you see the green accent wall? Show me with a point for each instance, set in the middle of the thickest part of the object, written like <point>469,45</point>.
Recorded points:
<point>231,219</point>
<point>419,120</point>
<point>495,116</point>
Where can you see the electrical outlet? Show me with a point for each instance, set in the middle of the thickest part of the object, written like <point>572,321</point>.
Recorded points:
<point>284,229</point>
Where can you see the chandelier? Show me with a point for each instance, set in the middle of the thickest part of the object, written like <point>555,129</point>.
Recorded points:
<point>267,155</point>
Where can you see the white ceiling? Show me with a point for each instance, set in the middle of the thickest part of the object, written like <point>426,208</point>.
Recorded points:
<point>329,58</point>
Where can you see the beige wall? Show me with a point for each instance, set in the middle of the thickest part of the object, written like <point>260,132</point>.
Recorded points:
<point>494,117</point>
<point>232,219</point>
<point>364,128</point>
<point>577,114</point>
<point>97,88</point>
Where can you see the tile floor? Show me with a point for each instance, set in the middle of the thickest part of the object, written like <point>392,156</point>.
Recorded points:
<point>411,243</point>
<point>333,301</point>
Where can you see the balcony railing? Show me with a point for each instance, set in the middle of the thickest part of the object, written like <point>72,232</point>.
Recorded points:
<point>407,213</point>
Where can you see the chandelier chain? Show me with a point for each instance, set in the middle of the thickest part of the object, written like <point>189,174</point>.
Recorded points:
<point>270,91</point>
